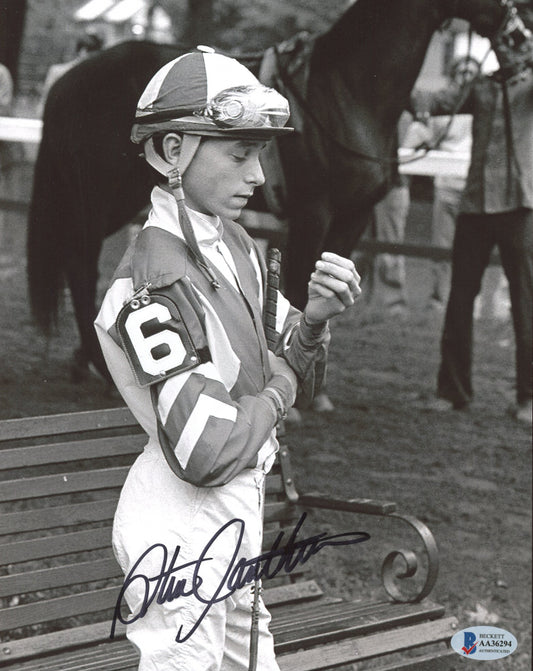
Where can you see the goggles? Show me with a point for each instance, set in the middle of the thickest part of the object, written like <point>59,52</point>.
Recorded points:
<point>251,111</point>
<point>248,107</point>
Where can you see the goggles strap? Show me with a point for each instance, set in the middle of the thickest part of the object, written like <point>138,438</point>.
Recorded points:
<point>175,184</point>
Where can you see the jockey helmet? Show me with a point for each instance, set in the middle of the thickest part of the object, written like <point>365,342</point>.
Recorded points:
<point>205,93</point>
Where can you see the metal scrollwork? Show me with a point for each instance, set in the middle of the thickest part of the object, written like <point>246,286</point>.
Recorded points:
<point>402,564</point>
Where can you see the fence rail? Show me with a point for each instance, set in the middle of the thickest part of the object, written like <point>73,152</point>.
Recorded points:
<point>15,129</point>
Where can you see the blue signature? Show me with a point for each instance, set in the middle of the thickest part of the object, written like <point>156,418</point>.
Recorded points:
<point>166,586</point>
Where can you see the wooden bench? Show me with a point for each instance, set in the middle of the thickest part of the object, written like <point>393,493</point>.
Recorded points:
<point>59,582</point>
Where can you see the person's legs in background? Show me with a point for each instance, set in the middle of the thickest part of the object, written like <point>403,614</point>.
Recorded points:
<point>515,242</point>
<point>470,256</point>
<point>385,289</point>
<point>445,210</point>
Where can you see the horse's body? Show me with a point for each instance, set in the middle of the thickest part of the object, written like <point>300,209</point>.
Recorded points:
<point>89,181</point>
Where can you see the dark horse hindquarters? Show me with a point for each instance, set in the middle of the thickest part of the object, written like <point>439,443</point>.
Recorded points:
<point>88,181</point>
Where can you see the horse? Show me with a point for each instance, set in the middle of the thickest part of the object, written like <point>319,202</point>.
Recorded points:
<point>89,180</point>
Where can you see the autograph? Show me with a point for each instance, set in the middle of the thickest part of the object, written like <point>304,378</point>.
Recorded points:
<point>167,586</point>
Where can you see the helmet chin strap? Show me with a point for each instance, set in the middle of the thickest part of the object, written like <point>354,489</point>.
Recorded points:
<point>189,147</point>
<point>173,173</point>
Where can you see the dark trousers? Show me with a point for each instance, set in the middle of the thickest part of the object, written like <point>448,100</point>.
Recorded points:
<point>475,237</point>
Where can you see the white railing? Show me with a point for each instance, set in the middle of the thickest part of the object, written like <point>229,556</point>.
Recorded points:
<point>13,129</point>
<point>434,162</point>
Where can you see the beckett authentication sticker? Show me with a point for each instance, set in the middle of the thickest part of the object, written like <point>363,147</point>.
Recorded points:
<point>484,643</point>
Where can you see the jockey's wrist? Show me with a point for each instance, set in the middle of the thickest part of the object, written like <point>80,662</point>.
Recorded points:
<point>422,117</point>
<point>312,328</point>
<point>282,391</point>
<point>278,406</point>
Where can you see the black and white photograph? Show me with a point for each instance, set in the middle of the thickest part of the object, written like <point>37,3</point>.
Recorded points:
<point>266,345</point>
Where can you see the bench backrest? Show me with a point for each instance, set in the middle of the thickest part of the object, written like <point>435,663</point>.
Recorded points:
<point>60,477</point>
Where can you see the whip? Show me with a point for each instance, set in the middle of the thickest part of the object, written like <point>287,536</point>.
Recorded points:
<point>269,319</point>
<point>273,274</point>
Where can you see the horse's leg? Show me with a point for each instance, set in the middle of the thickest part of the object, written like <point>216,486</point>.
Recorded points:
<point>307,228</point>
<point>82,276</point>
<point>96,185</point>
<point>124,189</point>
<point>342,237</point>
<point>346,229</point>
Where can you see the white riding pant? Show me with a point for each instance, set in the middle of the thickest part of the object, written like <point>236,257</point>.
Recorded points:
<point>156,507</point>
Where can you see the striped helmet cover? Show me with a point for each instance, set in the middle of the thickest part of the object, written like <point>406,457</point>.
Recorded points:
<point>209,94</point>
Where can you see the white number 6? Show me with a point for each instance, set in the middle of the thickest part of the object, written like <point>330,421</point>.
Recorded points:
<point>144,346</point>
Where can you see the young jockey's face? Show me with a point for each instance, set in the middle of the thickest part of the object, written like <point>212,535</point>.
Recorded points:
<point>222,176</point>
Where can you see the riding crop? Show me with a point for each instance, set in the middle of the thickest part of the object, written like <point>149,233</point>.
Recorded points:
<point>269,318</point>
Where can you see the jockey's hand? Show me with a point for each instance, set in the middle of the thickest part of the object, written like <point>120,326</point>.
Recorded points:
<point>333,287</point>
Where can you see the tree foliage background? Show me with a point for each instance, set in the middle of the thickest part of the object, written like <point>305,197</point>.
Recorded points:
<point>248,25</point>
<point>235,26</point>
<point>253,25</point>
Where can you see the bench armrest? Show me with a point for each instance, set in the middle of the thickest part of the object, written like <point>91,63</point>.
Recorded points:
<point>398,564</point>
<point>363,506</point>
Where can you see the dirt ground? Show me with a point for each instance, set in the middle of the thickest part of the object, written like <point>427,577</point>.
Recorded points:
<point>466,474</point>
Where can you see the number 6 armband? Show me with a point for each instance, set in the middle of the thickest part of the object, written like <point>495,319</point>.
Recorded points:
<point>156,340</point>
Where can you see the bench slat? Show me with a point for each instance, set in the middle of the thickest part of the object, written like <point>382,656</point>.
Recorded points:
<point>339,620</point>
<point>102,510</point>
<point>366,647</point>
<point>67,483</point>
<point>296,592</point>
<point>95,448</point>
<point>376,611</point>
<point>58,640</point>
<point>62,606</point>
<point>39,519</point>
<point>62,483</point>
<point>116,656</point>
<point>54,546</point>
<point>69,422</point>
<point>94,511</point>
<point>58,576</point>
<point>440,660</point>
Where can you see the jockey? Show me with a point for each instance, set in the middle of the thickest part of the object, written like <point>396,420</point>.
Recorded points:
<point>182,333</point>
